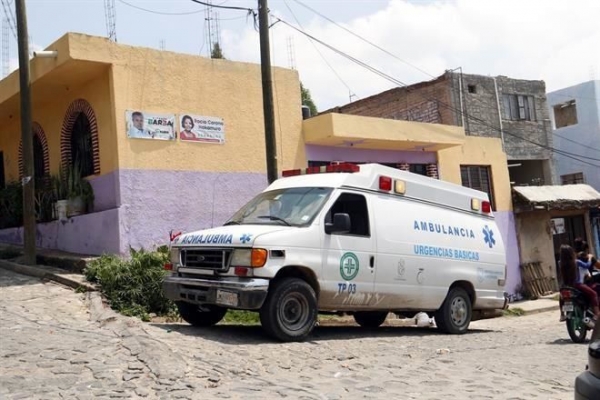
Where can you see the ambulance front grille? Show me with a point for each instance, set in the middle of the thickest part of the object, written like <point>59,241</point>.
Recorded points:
<point>211,259</point>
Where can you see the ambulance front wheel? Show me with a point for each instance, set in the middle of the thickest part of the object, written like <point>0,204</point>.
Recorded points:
<point>455,314</point>
<point>290,310</point>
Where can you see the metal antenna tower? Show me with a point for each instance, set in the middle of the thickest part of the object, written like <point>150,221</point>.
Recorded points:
<point>110,14</point>
<point>208,19</point>
<point>5,48</point>
<point>291,52</point>
<point>161,44</point>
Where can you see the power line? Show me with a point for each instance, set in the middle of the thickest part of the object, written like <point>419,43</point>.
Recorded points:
<point>575,142</point>
<point>321,54</point>
<point>363,39</point>
<point>400,83</point>
<point>164,12</point>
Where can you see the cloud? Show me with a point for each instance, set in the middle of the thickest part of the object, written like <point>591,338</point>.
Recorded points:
<point>553,40</point>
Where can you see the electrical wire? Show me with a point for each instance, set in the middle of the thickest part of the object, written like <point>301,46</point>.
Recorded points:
<point>575,142</point>
<point>167,13</point>
<point>400,83</point>
<point>321,54</point>
<point>10,18</point>
<point>363,39</point>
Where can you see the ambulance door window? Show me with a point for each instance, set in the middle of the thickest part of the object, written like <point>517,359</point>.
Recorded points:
<point>355,205</point>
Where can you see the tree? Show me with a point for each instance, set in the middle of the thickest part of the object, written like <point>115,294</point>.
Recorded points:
<point>217,52</point>
<point>307,100</point>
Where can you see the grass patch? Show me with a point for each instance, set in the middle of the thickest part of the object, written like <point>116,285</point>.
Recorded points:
<point>239,317</point>
<point>9,253</point>
<point>556,297</point>
<point>514,312</point>
<point>133,287</point>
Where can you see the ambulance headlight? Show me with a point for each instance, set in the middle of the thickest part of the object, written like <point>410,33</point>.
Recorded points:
<point>255,258</point>
<point>175,256</point>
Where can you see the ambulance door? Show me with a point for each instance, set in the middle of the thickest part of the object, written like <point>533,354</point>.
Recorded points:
<point>348,257</point>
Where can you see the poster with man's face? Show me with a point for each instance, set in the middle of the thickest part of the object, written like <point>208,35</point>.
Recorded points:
<point>145,125</point>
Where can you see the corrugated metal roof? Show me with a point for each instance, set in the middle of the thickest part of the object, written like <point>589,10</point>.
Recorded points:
<point>551,194</point>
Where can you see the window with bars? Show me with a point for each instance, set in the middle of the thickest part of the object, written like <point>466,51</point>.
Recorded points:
<point>420,169</point>
<point>478,177</point>
<point>519,107</point>
<point>81,145</point>
<point>572,179</point>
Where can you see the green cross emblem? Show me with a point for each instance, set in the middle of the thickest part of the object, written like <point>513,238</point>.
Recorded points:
<point>349,266</point>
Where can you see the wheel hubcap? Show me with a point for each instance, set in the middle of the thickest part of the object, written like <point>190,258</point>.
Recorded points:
<point>293,312</point>
<point>458,311</point>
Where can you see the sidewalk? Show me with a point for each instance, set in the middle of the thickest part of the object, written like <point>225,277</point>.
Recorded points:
<point>59,275</point>
<point>543,304</point>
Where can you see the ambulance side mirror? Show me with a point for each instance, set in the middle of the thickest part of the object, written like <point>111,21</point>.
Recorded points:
<point>341,224</point>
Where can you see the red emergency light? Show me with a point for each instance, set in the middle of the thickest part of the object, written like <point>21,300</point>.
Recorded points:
<point>385,183</point>
<point>343,167</point>
<point>486,207</point>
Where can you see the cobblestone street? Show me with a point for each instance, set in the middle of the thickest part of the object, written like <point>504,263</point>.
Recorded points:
<point>56,343</point>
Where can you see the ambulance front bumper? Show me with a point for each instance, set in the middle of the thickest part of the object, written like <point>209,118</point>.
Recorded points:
<point>230,292</point>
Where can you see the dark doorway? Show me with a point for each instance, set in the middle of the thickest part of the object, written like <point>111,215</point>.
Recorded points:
<point>564,231</point>
<point>2,178</point>
<point>39,166</point>
<point>81,145</point>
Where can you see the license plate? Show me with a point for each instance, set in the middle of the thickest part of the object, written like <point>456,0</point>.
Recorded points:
<point>227,298</point>
<point>567,307</point>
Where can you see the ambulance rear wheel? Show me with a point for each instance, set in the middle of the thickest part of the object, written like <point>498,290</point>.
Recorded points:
<point>290,311</point>
<point>370,319</point>
<point>455,314</point>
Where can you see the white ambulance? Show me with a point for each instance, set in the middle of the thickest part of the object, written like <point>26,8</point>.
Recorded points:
<point>363,240</point>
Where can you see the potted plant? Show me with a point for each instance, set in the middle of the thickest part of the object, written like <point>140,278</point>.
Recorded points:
<point>61,195</point>
<point>80,192</point>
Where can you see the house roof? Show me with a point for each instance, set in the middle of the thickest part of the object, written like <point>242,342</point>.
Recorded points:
<point>559,197</point>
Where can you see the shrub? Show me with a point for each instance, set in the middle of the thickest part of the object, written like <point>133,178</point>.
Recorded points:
<point>133,286</point>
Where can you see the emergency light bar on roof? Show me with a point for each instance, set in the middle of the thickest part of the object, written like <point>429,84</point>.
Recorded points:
<point>386,184</point>
<point>344,167</point>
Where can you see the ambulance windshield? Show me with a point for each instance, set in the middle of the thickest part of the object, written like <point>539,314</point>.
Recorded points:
<point>291,207</point>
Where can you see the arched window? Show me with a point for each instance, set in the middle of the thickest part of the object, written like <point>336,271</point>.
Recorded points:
<point>41,161</point>
<point>79,138</point>
<point>81,145</point>
<point>39,167</point>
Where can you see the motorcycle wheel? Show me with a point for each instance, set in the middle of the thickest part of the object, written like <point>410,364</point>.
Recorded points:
<point>575,326</point>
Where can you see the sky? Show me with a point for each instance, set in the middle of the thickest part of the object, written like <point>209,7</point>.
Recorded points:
<point>557,41</point>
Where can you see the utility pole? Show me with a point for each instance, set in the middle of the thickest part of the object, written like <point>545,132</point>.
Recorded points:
<point>267,88</point>
<point>28,181</point>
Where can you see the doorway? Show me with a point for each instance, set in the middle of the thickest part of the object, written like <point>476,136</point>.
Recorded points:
<point>564,231</point>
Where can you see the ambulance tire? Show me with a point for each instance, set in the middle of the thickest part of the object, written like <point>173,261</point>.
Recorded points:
<point>455,314</point>
<point>195,316</point>
<point>290,312</point>
<point>370,319</point>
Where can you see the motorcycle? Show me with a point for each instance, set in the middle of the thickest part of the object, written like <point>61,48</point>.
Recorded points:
<point>578,313</point>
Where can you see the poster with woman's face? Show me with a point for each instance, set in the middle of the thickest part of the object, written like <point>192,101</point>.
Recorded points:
<point>195,128</point>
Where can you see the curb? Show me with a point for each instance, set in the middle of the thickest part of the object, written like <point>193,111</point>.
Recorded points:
<point>45,273</point>
<point>541,310</point>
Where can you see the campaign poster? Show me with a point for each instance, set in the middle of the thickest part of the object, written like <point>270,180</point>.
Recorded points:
<point>145,125</point>
<point>195,128</point>
<point>558,226</point>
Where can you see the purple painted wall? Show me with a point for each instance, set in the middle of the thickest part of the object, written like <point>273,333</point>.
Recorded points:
<point>95,233</point>
<point>154,202</point>
<point>327,153</point>
<point>106,192</point>
<point>506,224</point>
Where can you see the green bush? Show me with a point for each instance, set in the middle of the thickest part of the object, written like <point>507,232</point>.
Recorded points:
<point>133,286</point>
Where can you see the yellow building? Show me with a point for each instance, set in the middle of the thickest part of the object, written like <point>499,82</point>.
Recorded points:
<point>173,141</point>
<point>144,187</point>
